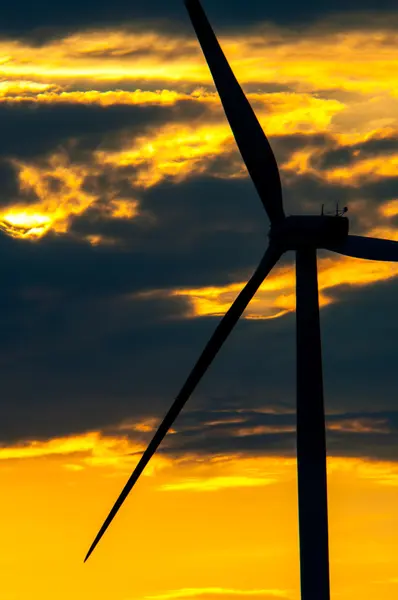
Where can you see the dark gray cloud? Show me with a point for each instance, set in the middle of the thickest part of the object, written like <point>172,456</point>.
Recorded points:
<point>30,129</point>
<point>372,435</point>
<point>9,190</point>
<point>373,147</point>
<point>31,132</point>
<point>49,20</point>
<point>81,347</point>
<point>78,353</point>
<point>306,193</point>
<point>204,225</point>
<point>211,204</point>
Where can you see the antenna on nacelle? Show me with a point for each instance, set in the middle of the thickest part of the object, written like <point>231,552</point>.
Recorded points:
<point>338,213</point>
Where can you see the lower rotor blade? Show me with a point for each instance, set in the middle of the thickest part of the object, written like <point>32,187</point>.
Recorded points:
<point>250,138</point>
<point>221,333</point>
<point>358,246</point>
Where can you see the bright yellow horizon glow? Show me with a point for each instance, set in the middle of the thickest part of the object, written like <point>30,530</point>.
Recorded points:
<point>229,523</point>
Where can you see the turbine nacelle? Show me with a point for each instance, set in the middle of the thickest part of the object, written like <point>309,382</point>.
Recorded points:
<point>314,231</point>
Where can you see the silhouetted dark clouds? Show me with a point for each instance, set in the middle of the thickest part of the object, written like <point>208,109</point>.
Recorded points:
<point>81,351</point>
<point>30,129</point>
<point>91,335</point>
<point>48,19</point>
<point>370,148</point>
<point>371,435</point>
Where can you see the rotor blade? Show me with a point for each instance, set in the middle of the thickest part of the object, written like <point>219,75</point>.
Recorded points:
<point>358,246</point>
<point>250,138</point>
<point>221,333</point>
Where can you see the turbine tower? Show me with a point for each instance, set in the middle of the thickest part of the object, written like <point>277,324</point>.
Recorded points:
<point>304,235</point>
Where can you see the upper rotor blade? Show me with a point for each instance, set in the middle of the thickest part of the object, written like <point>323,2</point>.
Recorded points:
<point>221,333</point>
<point>250,138</point>
<point>358,246</point>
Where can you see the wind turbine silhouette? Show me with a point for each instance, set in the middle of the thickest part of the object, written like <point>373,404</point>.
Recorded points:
<point>304,235</point>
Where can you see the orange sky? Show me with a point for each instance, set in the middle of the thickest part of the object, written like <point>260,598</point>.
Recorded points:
<point>228,526</point>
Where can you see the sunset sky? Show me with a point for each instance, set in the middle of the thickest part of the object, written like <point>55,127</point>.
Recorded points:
<point>128,225</point>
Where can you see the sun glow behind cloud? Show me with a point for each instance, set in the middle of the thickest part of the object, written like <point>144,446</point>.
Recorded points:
<point>54,72</point>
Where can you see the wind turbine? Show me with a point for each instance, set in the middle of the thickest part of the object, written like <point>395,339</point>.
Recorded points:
<point>304,235</point>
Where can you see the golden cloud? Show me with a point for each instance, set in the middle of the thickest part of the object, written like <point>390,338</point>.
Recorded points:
<point>215,473</point>
<point>322,59</point>
<point>91,449</point>
<point>213,484</point>
<point>360,425</point>
<point>191,472</point>
<point>381,472</point>
<point>316,58</point>
<point>136,68</point>
<point>276,296</point>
